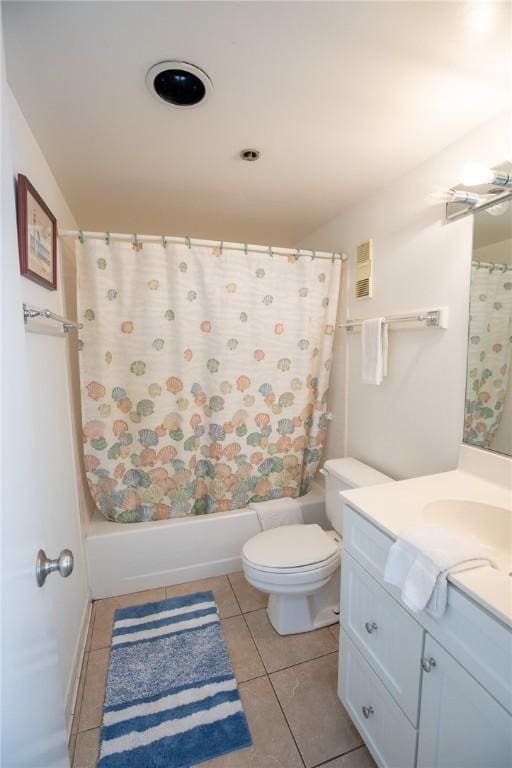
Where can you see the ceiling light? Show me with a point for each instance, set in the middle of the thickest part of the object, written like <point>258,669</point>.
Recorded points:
<point>178,83</point>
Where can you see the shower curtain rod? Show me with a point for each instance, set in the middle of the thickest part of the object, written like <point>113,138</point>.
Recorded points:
<point>165,239</point>
<point>490,265</point>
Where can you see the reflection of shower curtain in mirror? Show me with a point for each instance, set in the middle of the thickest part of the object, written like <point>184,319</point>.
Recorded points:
<point>204,375</point>
<point>489,351</point>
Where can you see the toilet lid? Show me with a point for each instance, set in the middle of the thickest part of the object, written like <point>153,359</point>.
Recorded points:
<point>290,546</point>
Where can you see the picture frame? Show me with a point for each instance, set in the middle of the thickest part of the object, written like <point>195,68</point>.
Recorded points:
<point>37,236</point>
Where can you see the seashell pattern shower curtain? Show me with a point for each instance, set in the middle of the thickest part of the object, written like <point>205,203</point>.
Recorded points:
<point>204,375</point>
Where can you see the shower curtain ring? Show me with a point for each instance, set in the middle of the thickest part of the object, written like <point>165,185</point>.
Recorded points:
<point>164,242</point>
<point>107,238</point>
<point>221,246</point>
<point>313,255</point>
<point>270,252</point>
<point>332,258</point>
<point>189,244</point>
<point>298,254</point>
<point>245,248</point>
<point>81,236</point>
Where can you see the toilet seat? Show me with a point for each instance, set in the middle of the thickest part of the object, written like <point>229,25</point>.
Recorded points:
<point>292,549</point>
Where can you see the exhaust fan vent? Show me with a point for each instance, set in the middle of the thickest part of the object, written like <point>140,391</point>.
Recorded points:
<point>364,270</point>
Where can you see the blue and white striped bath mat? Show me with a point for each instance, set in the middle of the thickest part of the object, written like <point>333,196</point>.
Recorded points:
<point>171,699</point>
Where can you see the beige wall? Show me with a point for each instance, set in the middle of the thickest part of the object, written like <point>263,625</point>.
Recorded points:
<point>411,424</point>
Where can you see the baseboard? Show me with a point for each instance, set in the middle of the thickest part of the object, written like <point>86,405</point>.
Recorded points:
<point>74,679</point>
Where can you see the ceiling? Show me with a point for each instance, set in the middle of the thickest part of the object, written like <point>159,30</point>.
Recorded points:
<point>340,97</point>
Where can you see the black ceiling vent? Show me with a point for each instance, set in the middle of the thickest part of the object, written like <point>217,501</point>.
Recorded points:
<point>179,83</point>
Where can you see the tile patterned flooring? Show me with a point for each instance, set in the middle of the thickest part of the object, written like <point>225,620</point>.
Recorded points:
<point>287,684</point>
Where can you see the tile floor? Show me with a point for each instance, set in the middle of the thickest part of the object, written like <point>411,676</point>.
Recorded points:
<point>287,684</point>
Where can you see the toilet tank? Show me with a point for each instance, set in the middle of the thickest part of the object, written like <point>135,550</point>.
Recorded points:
<point>341,475</point>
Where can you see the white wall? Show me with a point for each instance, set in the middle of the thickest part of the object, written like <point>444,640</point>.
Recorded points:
<point>412,424</point>
<point>51,427</point>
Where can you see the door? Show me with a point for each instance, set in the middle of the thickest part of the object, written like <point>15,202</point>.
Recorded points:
<point>33,727</point>
<point>461,725</point>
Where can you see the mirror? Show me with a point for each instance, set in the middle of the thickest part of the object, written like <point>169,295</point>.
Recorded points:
<point>488,406</point>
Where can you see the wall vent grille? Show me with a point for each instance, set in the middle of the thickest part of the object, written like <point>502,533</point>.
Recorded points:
<point>364,270</point>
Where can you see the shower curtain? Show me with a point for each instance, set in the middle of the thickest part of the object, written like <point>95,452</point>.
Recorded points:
<point>204,375</point>
<point>489,351</point>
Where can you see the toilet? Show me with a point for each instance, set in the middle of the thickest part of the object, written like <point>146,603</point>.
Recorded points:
<point>298,566</point>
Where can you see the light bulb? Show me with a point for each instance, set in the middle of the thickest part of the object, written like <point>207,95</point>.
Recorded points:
<point>481,17</point>
<point>474,174</point>
<point>441,195</point>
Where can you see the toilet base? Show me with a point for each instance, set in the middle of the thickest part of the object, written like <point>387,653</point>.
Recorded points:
<point>290,614</point>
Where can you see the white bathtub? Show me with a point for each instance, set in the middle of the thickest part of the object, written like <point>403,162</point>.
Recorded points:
<point>134,556</point>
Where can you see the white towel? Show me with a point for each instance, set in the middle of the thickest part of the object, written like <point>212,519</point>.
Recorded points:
<point>277,512</point>
<point>420,562</point>
<point>374,350</point>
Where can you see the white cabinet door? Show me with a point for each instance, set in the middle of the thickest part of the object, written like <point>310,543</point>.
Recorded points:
<point>461,725</point>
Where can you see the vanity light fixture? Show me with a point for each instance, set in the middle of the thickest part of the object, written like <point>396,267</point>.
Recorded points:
<point>475,174</point>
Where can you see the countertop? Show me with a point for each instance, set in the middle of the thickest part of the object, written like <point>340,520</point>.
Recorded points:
<point>397,507</point>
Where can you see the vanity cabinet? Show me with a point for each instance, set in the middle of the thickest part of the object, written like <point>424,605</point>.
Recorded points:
<point>423,693</point>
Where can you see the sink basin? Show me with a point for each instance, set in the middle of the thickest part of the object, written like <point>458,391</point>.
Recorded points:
<point>492,526</point>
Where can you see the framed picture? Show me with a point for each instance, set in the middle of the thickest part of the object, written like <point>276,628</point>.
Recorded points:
<point>37,236</point>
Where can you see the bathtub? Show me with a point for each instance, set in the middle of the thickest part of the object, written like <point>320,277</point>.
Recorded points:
<point>131,557</point>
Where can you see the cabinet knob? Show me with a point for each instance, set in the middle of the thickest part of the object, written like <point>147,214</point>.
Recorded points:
<point>427,664</point>
<point>371,627</point>
<point>367,711</point>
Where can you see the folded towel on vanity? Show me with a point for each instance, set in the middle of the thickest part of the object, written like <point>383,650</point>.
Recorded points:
<point>420,562</point>
<point>277,512</point>
<point>374,350</point>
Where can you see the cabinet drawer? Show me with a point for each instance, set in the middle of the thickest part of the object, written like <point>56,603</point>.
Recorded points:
<point>387,732</point>
<point>389,638</point>
<point>365,542</point>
